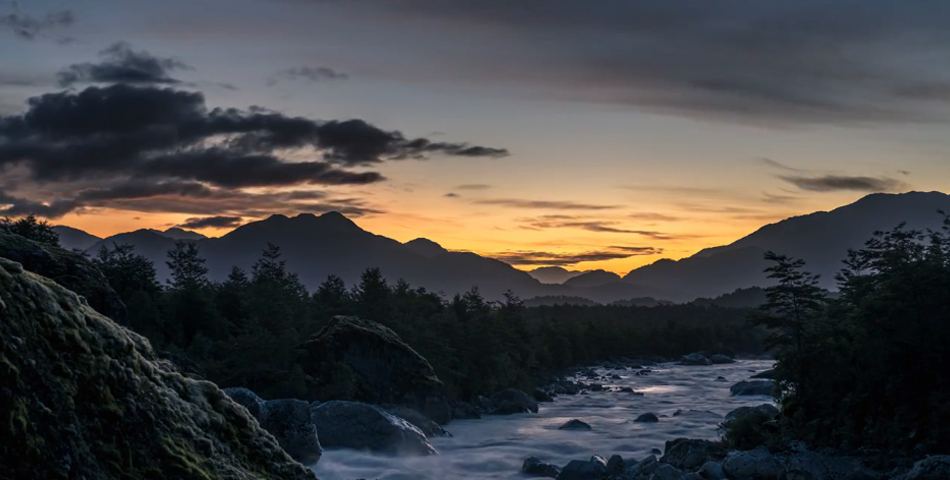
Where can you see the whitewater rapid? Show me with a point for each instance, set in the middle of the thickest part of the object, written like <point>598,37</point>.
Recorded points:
<point>495,446</point>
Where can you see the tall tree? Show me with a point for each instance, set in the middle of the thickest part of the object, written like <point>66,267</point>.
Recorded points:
<point>31,228</point>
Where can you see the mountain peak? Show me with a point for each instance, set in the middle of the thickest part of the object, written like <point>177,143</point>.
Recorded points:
<point>425,247</point>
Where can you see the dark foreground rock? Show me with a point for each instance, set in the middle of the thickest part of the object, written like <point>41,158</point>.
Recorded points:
<point>428,427</point>
<point>755,387</point>
<point>695,359</point>
<point>930,468</point>
<point>690,454</point>
<point>768,374</point>
<point>288,420</point>
<point>536,468</point>
<point>575,424</point>
<point>512,400</point>
<point>647,418</point>
<point>382,368</point>
<point>765,410</point>
<point>592,469</point>
<point>361,426</point>
<point>87,398</point>
<point>72,270</point>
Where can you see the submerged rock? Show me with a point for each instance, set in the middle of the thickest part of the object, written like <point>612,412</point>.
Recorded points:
<point>574,424</point>
<point>382,368</point>
<point>691,454</point>
<point>87,398</point>
<point>512,400</point>
<point>695,359</point>
<point>647,418</point>
<point>533,466</point>
<point>755,387</point>
<point>361,426</point>
<point>720,359</point>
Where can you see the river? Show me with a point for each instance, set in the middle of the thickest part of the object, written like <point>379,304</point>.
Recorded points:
<point>495,446</point>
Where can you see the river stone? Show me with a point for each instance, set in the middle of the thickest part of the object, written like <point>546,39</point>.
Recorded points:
<point>695,359</point>
<point>720,359</point>
<point>758,464</point>
<point>647,418</point>
<point>83,397</point>
<point>535,467</point>
<point>691,454</point>
<point>512,400</point>
<point>615,465</point>
<point>542,396</point>
<point>361,426</point>
<point>712,471</point>
<point>755,387</point>
<point>465,410</point>
<point>428,427</point>
<point>666,472</point>
<point>930,468</point>
<point>484,404</point>
<point>383,368</point>
<point>592,469</point>
<point>574,424</point>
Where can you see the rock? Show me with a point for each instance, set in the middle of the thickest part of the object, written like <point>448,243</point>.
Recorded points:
<point>542,396</point>
<point>720,359</point>
<point>629,390</point>
<point>769,374</point>
<point>712,471</point>
<point>574,425</point>
<point>86,398</point>
<point>647,418</point>
<point>535,467</point>
<point>596,387</point>
<point>382,368</point>
<point>758,464</point>
<point>615,465</point>
<point>72,270</point>
<point>765,410</point>
<point>755,387</point>
<point>647,466</point>
<point>803,464</point>
<point>512,400</point>
<point>695,359</point>
<point>720,379</point>
<point>692,476</point>
<point>666,472</point>
<point>361,426</point>
<point>593,469</point>
<point>656,451</point>
<point>465,410</point>
<point>287,420</point>
<point>930,468</point>
<point>690,454</point>
<point>484,404</point>
<point>428,427</point>
<point>616,377</point>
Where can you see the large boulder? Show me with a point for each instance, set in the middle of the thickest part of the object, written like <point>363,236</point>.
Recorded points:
<point>288,420</point>
<point>422,422</point>
<point>930,468</point>
<point>755,387</point>
<point>381,367</point>
<point>695,359</point>
<point>512,400</point>
<point>593,469</point>
<point>719,359</point>
<point>690,454</point>
<point>361,426</point>
<point>758,464</point>
<point>86,398</point>
<point>70,269</point>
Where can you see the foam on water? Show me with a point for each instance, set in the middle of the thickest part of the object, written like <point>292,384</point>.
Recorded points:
<point>495,446</point>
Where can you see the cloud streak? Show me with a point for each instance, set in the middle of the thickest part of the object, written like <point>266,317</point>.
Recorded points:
<point>527,257</point>
<point>27,27</point>
<point>121,64</point>
<point>211,222</point>
<point>543,204</point>
<point>309,74</point>
<point>831,183</point>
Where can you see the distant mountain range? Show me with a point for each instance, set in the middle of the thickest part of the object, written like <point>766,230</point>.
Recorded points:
<point>316,246</point>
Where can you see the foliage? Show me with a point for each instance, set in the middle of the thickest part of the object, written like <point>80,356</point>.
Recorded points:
<point>32,228</point>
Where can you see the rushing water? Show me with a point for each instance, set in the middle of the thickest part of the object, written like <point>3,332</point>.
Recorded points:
<point>495,446</point>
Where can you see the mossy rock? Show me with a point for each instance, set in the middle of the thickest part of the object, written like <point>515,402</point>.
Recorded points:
<point>86,398</point>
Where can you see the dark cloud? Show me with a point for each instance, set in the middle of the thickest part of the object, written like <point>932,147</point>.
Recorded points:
<point>776,164</point>
<point>830,183</point>
<point>524,257</point>
<point>29,28</point>
<point>597,226</point>
<point>121,64</point>
<point>768,63</point>
<point>451,195</point>
<point>774,198</point>
<point>211,222</point>
<point>309,74</point>
<point>543,204</point>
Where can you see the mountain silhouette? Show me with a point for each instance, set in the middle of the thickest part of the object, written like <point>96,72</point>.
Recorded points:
<point>593,278</point>
<point>554,274</point>
<point>73,238</point>
<point>180,234</point>
<point>425,247</point>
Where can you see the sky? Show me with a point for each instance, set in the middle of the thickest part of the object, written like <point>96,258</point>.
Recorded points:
<point>597,134</point>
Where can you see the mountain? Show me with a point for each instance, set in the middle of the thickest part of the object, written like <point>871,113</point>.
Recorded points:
<point>593,278</point>
<point>149,243</point>
<point>425,247</point>
<point>554,274</point>
<point>73,238</point>
<point>181,234</point>
<point>822,239</point>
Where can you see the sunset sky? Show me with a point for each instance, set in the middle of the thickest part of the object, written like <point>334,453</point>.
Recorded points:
<point>539,131</point>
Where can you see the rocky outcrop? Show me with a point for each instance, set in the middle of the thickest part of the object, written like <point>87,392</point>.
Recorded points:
<point>69,269</point>
<point>512,400</point>
<point>690,454</point>
<point>428,427</point>
<point>361,426</point>
<point>930,468</point>
<point>86,398</point>
<point>382,368</point>
<point>592,469</point>
<point>758,464</point>
<point>288,420</point>
<point>755,387</point>
<point>536,468</point>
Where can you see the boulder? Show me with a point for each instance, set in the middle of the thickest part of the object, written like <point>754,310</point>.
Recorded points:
<point>86,398</point>
<point>695,359</point>
<point>382,368</point>
<point>755,387</point>
<point>542,396</point>
<point>72,270</point>
<point>930,468</point>
<point>691,454</point>
<point>802,464</point>
<point>765,410</point>
<point>712,471</point>
<point>361,426</point>
<point>534,467</point>
<point>593,469</point>
<point>287,420</point>
<point>720,379</point>
<point>574,424</point>
<point>647,418</point>
<point>720,359</point>
<point>465,410</point>
<point>512,400</point>
<point>484,404</point>
<point>768,374</point>
<point>428,427</point>
<point>666,472</point>
<point>758,464</point>
<point>615,465</point>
